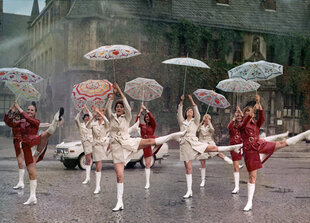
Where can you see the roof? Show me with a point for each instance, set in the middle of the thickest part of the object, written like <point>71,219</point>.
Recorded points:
<point>291,16</point>
<point>89,8</point>
<point>14,25</point>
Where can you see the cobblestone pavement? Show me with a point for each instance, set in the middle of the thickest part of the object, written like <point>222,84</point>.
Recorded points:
<point>282,192</point>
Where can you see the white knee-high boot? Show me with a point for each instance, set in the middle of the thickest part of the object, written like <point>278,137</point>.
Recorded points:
<point>20,184</point>
<point>237,179</point>
<point>120,190</point>
<point>228,160</point>
<point>203,176</point>
<point>147,178</point>
<point>189,192</point>
<point>32,198</point>
<point>276,137</point>
<point>173,136</point>
<point>293,140</point>
<point>98,178</point>
<point>251,190</point>
<point>87,179</point>
<point>235,148</point>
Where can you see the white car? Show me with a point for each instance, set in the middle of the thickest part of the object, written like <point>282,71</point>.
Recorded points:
<point>72,154</point>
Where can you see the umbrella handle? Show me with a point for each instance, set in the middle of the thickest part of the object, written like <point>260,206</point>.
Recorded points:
<point>114,71</point>
<point>184,81</point>
<point>207,109</point>
<point>142,95</point>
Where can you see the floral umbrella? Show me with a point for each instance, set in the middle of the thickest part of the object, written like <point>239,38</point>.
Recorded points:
<point>25,91</point>
<point>143,89</point>
<point>256,71</point>
<point>186,61</point>
<point>93,93</point>
<point>237,85</point>
<point>112,52</point>
<point>19,75</point>
<point>211,98</point>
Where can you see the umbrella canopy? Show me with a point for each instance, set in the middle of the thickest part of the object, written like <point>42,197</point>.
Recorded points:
<point>19,75</point>
<point>186,61</point>
<point>211,98</point>
<point>143,89</point>
<point>93,93</point>
<point>25,91</point>
<point>112,52</point>
<point>256,71</point>
<point>237,85</point>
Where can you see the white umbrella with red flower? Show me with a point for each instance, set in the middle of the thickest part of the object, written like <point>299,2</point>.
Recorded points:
<point>211,98</point>
<point>23,90</point>
<point>112,52</point>
<point>19,75</point>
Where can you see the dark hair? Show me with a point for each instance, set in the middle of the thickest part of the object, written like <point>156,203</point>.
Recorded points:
<point>247,108</point>
<point>85,115</point>
<point>33,103</point>
<point>145,117</point>
<point>119,101</point>
<point>185,116</point>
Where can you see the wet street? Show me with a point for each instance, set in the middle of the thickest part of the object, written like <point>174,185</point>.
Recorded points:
<point>282,192</point>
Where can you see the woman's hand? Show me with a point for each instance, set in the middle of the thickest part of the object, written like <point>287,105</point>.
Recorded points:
<point>182,97</point>
<point>16,105</point>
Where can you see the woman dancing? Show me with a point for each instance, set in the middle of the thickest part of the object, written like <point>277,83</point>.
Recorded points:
<point>190,147</point>
<point>9,118</point>
<point>253,146</point>
<point>29,126</point>
<point>206,132</point>
<point>147,131</point>
<point>99,128</point>
<point>235,138</point>
<point>86,138</point>
<point>121,145</point>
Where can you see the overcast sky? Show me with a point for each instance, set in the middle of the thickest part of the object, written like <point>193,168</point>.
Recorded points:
<point>20,6</point>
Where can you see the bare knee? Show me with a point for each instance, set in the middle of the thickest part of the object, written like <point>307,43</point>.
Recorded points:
<point>252,179</point>
<point>203,164</point>
<point>236,166</point>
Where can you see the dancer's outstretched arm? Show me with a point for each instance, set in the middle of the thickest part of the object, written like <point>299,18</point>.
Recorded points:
<point>125,102</point>
<point>195,109</point>
<point>32,121</point>
<point>180,111</point>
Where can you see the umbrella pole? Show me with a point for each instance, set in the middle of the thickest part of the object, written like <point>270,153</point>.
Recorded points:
<point>114,70</point>
<point>184,81</point>
<point>142,95</point>
<point>207,109</point>
<point>17,97</point>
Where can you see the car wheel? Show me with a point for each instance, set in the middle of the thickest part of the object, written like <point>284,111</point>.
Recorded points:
<point>142,161</point>
<point>130,165</point>
<point>70,164</point>
<point>82,161</point>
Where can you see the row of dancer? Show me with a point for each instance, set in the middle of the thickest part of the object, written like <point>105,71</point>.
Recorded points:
<point>29,146</point>
<point>122,146</point>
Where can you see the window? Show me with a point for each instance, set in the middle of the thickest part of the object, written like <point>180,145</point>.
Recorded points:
<point>270,5</point>
<point>6,102</point>
<point>238,51</point>
<point>225,2</point>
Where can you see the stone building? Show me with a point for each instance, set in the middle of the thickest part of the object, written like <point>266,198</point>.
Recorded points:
<point>13,44</point>
<point>65,30</point>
